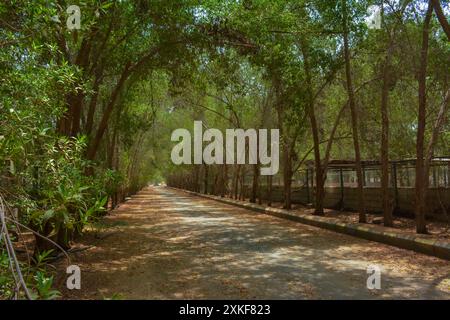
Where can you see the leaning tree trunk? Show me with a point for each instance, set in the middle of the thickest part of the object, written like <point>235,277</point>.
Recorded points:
<point>94,143</point>
<point>441,17</point>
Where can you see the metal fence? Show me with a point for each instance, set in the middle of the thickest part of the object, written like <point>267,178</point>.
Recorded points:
<point>341,183</point>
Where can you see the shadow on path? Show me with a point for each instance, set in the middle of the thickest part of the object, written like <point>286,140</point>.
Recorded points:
<point>170,245</point>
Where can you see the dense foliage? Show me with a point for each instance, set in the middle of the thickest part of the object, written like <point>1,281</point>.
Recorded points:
<point>86,115</point>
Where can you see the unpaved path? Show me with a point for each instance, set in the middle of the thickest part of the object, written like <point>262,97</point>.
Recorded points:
<point>166,244</point>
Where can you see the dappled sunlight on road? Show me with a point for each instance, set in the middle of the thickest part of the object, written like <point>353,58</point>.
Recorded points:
<point>166,244</point>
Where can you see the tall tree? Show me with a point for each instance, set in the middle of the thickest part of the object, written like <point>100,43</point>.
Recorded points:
<point>354,113</point>
<point>421,183</point>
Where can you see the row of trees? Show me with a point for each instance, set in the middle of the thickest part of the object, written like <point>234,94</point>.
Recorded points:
<point>334,88</point>
<point>86,114</point>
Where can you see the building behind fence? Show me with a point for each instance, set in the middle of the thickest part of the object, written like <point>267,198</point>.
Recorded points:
<point>340,185</point>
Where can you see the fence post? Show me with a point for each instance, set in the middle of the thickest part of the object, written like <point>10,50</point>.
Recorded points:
<point>341,181</point>
<point>363,175</point>
<point>307,186</point>
<point>206,179</point>
<point>394,182</point>
<point>447,182</point>
<point>313,197</point>
<point>435,180</point>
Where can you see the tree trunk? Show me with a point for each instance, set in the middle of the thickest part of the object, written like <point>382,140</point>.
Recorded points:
<point>422,176</point>
<point>233,181</point>
<point>269,190</point>
<point>116,196</point>
<point>93,103</point>
<point>76,114</point>
<point>95,143</point>
<point>224,187</point>
<point>441,17</point>
<point>320,192</point>
<point>206,177</point>
<point>242,190</point>
<point>386,199</point>
<point>196,178</point>
<point>215,184</point>
<point>439,123</point>
<point>255,183</point>
<point>287,177</point>
<point>354,116</point>
<point>236,182</point>
<point>69,124</point>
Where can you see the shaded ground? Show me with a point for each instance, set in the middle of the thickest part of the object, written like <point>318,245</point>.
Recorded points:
<point>439,230</point>
<point>165,244</point>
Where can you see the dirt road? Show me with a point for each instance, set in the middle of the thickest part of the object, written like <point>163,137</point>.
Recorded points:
<point>166,244</point>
